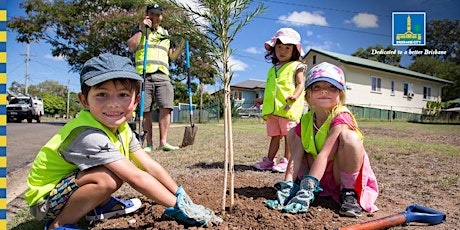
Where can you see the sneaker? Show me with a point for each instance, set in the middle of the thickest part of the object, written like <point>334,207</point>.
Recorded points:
<point>112,209</point>
<point>168,147</point>
<point>265,164</point>
<point>148,149</point>
<point>281,167</point>
<point>349,203</point>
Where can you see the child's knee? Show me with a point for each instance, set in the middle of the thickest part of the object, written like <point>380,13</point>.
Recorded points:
<point>350,138</point>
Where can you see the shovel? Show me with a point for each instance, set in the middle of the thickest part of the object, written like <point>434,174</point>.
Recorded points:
<point>413,213</point>
<point>142,132</point>
<point>190,131</point>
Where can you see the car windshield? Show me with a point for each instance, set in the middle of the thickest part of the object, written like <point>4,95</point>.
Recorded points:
<point>22,101</point>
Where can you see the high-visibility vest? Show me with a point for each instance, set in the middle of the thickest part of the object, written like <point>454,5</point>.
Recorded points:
<point>49,167</point>
<point>157,54</point>
<point>313,142</point>
<point>279,85</point>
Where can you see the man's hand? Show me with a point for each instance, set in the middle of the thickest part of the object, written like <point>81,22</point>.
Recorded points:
<point>147,22</point>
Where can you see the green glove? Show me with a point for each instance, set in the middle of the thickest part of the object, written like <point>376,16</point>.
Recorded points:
<point>300,203</point>
<point>189,213</point>
<point>285,191</point>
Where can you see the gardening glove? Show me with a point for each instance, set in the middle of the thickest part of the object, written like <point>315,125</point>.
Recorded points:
<point>189,213</point>
<point>285,191</point>
<point>300,203</point>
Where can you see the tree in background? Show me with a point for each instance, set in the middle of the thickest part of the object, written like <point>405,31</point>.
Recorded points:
<point>441,35</point>
<point>79,29</point>
<point>221,21</point>
<point>390,59</point>
<point>54,96</point>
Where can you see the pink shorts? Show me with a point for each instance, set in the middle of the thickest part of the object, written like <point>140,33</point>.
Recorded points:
<point>278,126</point>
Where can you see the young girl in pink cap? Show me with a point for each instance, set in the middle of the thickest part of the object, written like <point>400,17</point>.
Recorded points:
<point>283,100</point>
<point>328,156</point>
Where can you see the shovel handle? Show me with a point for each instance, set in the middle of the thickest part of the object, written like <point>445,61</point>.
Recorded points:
<point>384,222</point>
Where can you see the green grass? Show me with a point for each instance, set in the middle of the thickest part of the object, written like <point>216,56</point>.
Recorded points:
<point>386,143</point>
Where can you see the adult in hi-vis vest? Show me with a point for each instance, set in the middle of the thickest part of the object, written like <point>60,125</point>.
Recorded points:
<point>158,87</point>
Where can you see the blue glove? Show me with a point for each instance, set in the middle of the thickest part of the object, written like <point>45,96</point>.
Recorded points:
<point>300,203</point>
<point>285,191</point>
<point>189,213</point>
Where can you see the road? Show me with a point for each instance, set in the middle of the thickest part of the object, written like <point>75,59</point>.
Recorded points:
<point>24,140</point>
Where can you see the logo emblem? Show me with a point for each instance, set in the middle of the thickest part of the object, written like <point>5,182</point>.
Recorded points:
<point>408,28</point>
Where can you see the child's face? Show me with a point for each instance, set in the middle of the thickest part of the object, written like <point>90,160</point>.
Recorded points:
<point>324,95</point>
<point>284,52</point>
<point>111,103</point>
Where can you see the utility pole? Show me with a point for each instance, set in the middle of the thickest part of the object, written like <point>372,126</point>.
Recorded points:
<point>27,54</point>
<point>68,98</point>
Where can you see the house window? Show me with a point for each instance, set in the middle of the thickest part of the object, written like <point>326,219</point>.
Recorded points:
<point>376,84</point>
<point>392,87</point>
<point>238,95</point>
<point>427,92</point>
<point>314,59</point>
<point>408,89</point>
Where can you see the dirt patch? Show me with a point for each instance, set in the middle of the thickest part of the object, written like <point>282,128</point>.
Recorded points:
<point>413,176</point>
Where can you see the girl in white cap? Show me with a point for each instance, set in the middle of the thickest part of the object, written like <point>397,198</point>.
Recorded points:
<point>283,100</point>
<point>328,155</point>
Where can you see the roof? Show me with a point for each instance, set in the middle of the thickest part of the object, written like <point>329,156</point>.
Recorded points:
<point>357,61</point>
<point>250,84</point>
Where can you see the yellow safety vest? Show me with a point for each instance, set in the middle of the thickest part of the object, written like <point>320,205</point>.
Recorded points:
<point>281,84</point>
<point>157,54</point>
<point>313,143</point>
<point>49,167</point>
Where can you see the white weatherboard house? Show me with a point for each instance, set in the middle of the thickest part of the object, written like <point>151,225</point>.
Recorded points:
<point>372,84</point>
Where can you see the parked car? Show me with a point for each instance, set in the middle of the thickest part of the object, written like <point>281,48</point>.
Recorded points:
<point>25,107</point>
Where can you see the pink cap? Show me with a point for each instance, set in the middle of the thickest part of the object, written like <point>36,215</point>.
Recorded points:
<point>286,36</point>
<point>328,72</point>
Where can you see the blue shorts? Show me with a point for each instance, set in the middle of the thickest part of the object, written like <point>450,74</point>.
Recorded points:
<point>60,194</point>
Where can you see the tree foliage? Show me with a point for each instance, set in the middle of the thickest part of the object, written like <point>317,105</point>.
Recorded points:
<point>443,69</point>
<point>78,30</point>
<point>390,59</point>
<point>442,35</point>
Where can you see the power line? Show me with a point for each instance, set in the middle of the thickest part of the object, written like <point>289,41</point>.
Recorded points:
<point>331,27</point>
<point>321,8</point>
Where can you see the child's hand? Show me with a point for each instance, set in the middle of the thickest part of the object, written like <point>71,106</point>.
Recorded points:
<point>291,98</point>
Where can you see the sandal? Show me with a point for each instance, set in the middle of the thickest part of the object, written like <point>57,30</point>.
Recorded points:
<point>106,211</point>
<point>63,227</point>
<point>168,147</point>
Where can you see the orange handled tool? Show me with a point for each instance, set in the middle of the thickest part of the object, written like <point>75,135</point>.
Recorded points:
<point>413,213</point>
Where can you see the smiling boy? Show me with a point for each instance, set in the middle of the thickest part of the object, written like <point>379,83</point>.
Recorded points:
<point>78,170</point>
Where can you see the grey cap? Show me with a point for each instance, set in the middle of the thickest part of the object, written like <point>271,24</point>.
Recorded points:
<point>106,67</point>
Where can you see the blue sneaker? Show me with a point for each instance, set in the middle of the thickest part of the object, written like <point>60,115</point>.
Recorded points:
<point>63,227</point>
<point>107,211</point>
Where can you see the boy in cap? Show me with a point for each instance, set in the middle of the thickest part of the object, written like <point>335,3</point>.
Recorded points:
<point>76,172</point>
<point>158,85</point>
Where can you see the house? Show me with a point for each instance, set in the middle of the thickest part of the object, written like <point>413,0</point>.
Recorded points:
<point>382,88</point>
<point>246,91</point>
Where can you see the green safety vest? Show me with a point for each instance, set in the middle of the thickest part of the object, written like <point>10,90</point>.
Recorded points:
<point>281,84</point>
<point>157,53</point>
<point>49,167</point>
<point>313,143</point>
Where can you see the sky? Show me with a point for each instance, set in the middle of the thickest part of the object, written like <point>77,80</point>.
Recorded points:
<point>337,26</point>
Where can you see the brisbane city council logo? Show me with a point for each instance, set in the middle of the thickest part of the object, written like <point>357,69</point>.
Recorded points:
<point>408,28</point>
